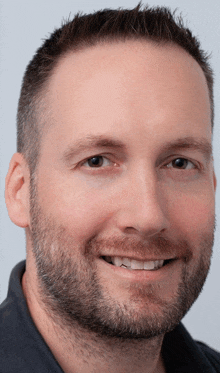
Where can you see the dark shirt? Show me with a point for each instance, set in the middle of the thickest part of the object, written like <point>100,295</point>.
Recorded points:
<point>23,350</point>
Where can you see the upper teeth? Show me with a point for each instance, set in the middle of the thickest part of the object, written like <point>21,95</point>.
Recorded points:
<point>135,264</point>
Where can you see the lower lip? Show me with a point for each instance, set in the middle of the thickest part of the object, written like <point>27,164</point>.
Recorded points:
<point>140,274</point>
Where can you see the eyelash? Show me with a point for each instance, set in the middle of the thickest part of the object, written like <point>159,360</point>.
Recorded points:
<point>168,165</point>
<point>194,166</point>
<point>98,156</point>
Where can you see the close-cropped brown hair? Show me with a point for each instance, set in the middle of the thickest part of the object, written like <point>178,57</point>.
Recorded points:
<point>157,24</point>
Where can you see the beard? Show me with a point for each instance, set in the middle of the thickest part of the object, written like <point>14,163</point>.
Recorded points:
<point>74,297</point>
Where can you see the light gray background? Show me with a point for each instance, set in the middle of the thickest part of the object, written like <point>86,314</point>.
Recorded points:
<point>23,25</point>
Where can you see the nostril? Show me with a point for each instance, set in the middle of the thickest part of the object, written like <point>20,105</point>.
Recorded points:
<point>131,230</point>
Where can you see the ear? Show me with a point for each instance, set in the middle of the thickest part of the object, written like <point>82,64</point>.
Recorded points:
<point>214,181</point>
<point>17,191</point>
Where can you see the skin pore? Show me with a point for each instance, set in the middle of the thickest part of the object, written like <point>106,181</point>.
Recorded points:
<point>125,170</point>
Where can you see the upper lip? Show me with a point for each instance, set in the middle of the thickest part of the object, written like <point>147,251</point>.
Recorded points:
<point>146,259</point>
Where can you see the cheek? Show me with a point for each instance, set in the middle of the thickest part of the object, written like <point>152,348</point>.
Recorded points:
<point>193,214</point>
<point>80,210</point>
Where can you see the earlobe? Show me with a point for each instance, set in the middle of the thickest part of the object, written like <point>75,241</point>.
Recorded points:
<point>17,191</point>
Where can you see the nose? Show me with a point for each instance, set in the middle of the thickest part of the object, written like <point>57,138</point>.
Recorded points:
<point>142,206</point>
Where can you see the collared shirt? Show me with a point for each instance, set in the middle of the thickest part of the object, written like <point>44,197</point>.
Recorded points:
<point>22,348</point>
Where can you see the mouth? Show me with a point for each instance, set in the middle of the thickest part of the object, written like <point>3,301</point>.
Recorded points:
<point>132,264</point>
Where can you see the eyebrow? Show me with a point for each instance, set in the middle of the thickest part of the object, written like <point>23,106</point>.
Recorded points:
<point>91,142</point>
<point>99,141</point>
<point>202,145</point>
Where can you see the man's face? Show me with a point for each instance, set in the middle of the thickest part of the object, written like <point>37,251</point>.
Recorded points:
<point>125,171</point>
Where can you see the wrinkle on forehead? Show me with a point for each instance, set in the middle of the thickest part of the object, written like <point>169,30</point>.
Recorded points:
<point>123,83</point>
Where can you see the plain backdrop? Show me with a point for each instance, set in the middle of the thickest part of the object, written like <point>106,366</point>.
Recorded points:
<point>23,26</point>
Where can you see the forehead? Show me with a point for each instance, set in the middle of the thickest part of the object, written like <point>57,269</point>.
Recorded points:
<point>125,85</point>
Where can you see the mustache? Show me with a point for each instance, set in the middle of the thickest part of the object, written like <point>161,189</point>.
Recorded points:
<point>156,246</point>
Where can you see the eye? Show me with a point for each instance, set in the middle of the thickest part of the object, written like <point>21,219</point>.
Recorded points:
<point>181,164</point>
<point>97,161</point>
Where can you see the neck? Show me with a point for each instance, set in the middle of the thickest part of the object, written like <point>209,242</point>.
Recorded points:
<point>92,354</point>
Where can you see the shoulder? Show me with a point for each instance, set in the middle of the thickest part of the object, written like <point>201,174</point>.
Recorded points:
<point>212,355</point>
<point>183,354</point>
<point>22,349</point>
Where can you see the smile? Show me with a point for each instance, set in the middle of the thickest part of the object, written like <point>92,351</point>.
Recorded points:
<point>132,264</point>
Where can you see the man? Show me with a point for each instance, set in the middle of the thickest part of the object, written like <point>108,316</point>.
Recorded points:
<point>114,184</point>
